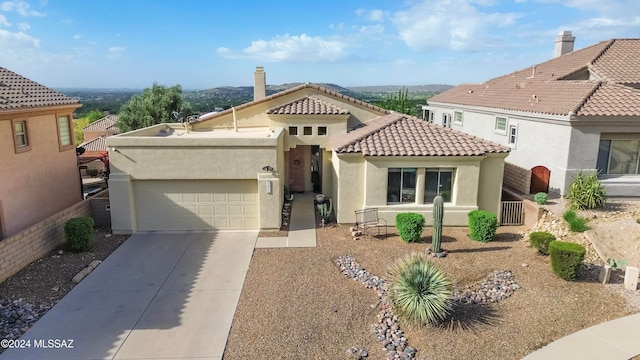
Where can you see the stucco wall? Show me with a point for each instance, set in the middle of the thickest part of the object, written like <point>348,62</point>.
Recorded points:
<point>36,183</point>
<point>477,184</point>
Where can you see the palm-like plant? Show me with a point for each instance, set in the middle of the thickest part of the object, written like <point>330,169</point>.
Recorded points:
<point>419,291</point>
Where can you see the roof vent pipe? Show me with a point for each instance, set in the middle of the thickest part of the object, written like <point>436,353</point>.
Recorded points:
<point>235,122</point>
<point>563,44</point>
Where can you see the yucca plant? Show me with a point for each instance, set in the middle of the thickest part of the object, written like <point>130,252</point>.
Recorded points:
<point>586,191</point>
<point>419,291</point>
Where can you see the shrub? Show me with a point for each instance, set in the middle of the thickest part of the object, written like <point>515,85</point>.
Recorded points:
<point>79,233</point>
<point>409,226</point>
<point>482,225</point>
<point>576,223</point>
<point>566,258</point>
<point>540,198</point>
<point>586,191</point>
<point>419,291</point>
<point>540,240</point>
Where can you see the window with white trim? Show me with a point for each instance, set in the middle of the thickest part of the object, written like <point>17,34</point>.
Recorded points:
<point>457,117</point>
<point>446,120</point>
<point>501,125</point>
<point>513,135</point>
<point>401,185</point>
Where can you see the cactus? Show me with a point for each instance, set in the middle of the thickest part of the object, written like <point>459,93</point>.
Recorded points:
<point>325,210</point>
<point>436,239</point>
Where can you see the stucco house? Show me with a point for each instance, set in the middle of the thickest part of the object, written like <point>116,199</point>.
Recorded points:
<point>95,145</point>
<point>229,170</point>
<point>38,165</point>
<point>577,111</point>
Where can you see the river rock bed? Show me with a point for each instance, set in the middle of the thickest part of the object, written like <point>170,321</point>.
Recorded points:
<point>17,316</point>
<point>498,286</point>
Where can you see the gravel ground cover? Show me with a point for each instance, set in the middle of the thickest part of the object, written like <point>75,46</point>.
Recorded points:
<point>297,303</point>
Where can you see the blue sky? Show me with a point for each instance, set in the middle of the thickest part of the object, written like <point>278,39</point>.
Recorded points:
<point>204,44</point>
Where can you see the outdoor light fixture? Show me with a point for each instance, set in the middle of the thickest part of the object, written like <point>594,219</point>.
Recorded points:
<point>267,168</point>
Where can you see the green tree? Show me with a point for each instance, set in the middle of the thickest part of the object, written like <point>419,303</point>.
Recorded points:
<point>400,102</point>
<point>94,115</point>
<point>78,134</point>
<point>153,106</point>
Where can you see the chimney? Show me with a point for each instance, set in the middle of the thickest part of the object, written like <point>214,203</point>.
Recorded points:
<point>563,43</point>
<point>259,83</point>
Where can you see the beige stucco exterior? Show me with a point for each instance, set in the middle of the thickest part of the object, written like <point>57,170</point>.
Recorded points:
<point>241,143</point>
<point>38,182</point>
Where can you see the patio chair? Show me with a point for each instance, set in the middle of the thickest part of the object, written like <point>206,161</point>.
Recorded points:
<point>367,219</point>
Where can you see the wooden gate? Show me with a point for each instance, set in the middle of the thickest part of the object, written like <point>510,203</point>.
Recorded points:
<point>539,180</point>
<point>512,212</point>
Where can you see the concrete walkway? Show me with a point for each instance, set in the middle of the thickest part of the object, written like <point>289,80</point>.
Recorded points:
<point>614,340</point>
<point>158,296</point>
<point>302,226</point>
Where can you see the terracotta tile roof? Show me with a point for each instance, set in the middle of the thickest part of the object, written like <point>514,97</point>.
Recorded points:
<point>563,85</point>
<point>308,105</point>
<point>97,144</point>
<point>18,92</point>
<point>107,123</point>
<point>403,135</point>
<point>293,90</point>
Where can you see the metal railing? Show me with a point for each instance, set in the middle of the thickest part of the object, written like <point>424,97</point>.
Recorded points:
<point>512,213</point>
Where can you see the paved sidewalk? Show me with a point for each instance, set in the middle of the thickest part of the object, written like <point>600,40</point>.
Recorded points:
<point>613,340</point>
<point>158,296</point>
<point>302,226</point>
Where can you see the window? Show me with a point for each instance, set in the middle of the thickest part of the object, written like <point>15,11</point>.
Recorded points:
<point>64,133</point>
<point>322,130</point>
<point>513,134</point>
<point>457,117</point>
<point>438,181</point>
<point>20,136</point>
<point>307,130</point>
<point>293,130</point>
<point>446,120</point>
<point>431,117</point>
<point>501,124</point>
<point>401,185</point>
<point>618,156</point>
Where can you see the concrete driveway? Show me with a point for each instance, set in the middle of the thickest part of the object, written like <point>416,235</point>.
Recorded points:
<point>159,295</point>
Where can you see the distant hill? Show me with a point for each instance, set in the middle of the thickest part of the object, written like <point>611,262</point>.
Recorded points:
<point>245,93</point>
<point>437,88</point>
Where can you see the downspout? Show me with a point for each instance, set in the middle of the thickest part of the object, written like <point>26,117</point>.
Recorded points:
<point>235,123</point>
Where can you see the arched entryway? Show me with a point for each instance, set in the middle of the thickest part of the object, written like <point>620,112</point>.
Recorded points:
<point>540,179</point>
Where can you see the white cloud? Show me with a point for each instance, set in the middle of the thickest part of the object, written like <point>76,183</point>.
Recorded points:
<point>450,24</point>
<point>21,7</point>
<point>115,52</point>
<point>291,48</point>
<point>339,26</point>
<point>77,37</point>
<point>369,30</point>
<point>17,40</point>
<point>4,22</point>
<point>375,15</point>
<point>24,26</point>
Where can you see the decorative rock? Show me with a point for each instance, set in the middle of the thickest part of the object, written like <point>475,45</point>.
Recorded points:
<point>605,274</point>
<point>84,272</point>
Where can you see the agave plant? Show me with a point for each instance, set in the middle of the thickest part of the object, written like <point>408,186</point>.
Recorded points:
<point>586,191</point>
<point>419,291</point>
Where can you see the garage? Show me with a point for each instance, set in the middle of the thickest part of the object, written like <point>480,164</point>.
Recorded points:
<point>196,204</point>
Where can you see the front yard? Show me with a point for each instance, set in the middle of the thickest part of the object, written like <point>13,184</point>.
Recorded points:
<point>296,304</point>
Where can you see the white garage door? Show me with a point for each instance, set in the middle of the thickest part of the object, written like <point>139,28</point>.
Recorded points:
<point>196,204</point>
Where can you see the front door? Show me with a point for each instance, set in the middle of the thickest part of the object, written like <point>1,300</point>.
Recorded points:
<point>296,169</point>
<point>540,179</point>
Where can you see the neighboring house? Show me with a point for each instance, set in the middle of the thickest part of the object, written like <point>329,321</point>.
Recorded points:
<point>94,144</point>
<point>578,111</point>
<point>38,165</point>
<point>229,170</point>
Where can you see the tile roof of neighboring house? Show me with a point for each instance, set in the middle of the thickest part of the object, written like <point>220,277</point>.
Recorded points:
<point>293,90</point>
<point>18,92</point>
<point>97,144</point>
<point>586,82</point>
<point>308,105</point>
<point>107,123</point>
<point>403,135</point>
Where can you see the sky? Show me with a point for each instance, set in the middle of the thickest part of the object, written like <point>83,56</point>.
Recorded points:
<point>204,44</point>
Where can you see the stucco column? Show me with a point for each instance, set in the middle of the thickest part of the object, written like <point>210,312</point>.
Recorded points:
<point>121,199</point>
<point>270,198</point>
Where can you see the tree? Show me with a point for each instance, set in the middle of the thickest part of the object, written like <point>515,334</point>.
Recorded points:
<point>399,103</point>
<point>78,134</point>
<point>94,115</point>
<point>153,106</point>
